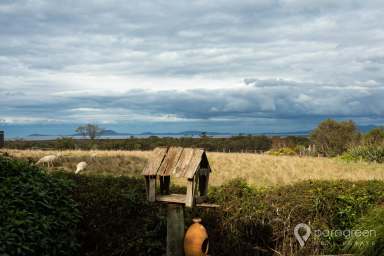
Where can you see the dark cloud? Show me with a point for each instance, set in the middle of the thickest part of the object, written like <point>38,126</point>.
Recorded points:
<point>66,60</point>
<point>277,99</point>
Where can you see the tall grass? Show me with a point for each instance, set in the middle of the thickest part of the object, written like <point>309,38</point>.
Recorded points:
<point>256,169</point>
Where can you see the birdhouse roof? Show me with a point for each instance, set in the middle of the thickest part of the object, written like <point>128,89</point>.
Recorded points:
<point>176,161</point>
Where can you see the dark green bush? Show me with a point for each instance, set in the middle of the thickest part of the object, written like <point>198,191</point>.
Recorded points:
<point>38,216</point>
<point>117,219</point>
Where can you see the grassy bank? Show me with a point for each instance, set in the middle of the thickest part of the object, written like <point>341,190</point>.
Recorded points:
<point>257,169</point>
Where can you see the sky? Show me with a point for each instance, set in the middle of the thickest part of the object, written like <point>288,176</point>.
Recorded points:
<point>176,65</point>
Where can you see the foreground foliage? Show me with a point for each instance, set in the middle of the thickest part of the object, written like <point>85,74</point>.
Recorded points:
<point>41,218</point>
<point>38,216</point>
<point>372,243</point>
<point>117,219</point>
<point>262,221</point>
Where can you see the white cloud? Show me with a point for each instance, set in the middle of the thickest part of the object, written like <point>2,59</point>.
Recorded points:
<point>183,60</point>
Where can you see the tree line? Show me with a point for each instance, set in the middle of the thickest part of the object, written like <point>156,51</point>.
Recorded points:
<point>329,138</point>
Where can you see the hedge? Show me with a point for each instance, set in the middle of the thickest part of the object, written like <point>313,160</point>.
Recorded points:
<point>117,219</point>
<point>38,215</point>
<point>42,218</point>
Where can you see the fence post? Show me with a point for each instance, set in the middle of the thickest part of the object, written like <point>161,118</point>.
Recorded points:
<point>175,230</point>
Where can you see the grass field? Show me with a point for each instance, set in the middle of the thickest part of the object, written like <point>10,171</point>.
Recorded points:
<point>257,169</point>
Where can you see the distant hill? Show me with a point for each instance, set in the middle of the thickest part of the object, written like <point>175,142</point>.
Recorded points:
<point>111,133</point>
<point>106,133</point>
<point>184,133</point>
<point>37,135</point>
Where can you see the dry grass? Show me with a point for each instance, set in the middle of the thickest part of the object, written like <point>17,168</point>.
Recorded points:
<point>259,170</point>
<point>117,163</point>
<point>266,170</point>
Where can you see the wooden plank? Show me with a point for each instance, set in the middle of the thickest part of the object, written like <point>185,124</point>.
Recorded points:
<point>170,161</point>
<point>183,162</point>
<point>190,197</point>
<point>172,198</point>
<point>155,161</point>
<point>152,189</point>
<point>207,205</point>
<point>175,230</point>
<point>193,164</point>
<point>146,178</point>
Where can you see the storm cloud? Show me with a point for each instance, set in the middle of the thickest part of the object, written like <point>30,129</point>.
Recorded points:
<point>191,61</point>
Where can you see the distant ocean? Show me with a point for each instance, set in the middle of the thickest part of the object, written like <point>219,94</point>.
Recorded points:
<point>53,137</point>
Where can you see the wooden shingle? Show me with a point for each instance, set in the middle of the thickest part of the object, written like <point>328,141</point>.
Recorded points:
<point>170,161</point>
<point>175,161</point>
<point>154,163</point>
<point>193,164</point>
<point>182,164</point>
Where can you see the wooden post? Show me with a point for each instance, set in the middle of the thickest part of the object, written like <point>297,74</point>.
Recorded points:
<point>175,230</point>
<point>152,189</point>
<point>190,197</point>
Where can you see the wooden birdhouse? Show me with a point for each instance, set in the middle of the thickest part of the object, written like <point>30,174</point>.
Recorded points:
<point>190,164</point>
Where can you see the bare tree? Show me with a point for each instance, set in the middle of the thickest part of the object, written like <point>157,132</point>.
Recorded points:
<point>90,130</point>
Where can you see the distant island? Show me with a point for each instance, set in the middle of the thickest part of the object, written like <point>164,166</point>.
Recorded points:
<point>112,133</point>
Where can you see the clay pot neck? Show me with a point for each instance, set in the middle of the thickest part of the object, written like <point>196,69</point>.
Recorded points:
<point>196,220</point>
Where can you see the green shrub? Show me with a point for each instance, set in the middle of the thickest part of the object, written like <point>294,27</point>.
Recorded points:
<point>37,217</point>
<point>285,151</point>
<point>333,138</point>
<point>369,153</point>
<point>253,221</point>
<point>370,243</point>
<point>374,136</point>
<point>240,226</point>
<point>117,218</point>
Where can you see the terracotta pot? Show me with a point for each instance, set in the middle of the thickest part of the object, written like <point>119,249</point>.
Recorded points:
<point>196,240</point>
